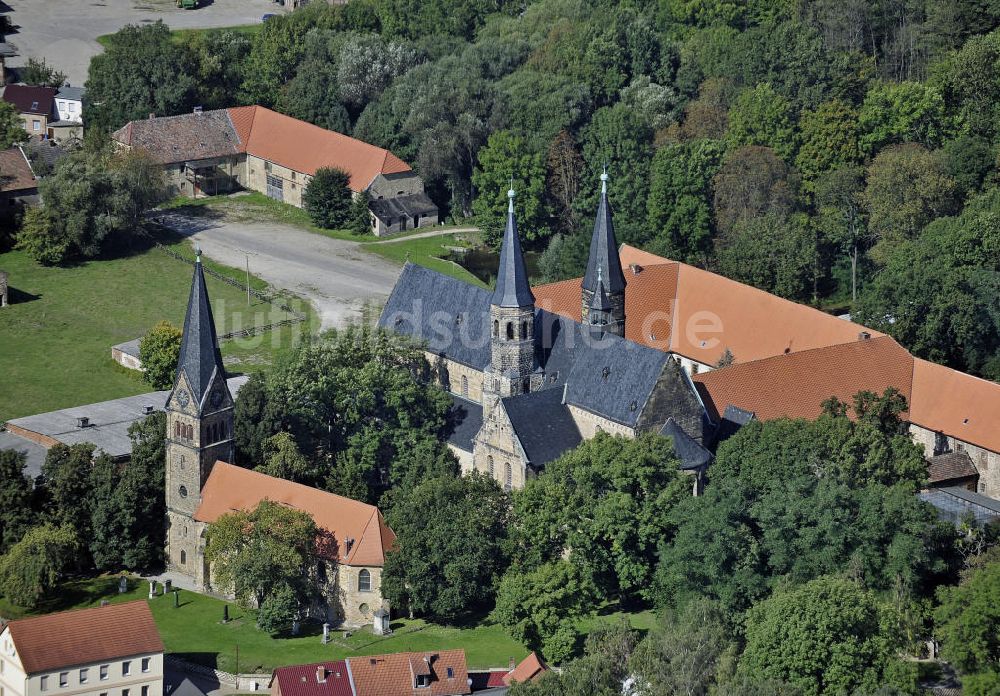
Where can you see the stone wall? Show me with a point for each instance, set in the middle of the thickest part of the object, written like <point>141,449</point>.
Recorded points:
<point>987,463</point>
<point>589,424</point>
<point>457,378</point>
<point>3,289</point>
<point>357,607</point>
<point>293,182</point>
<point>497,452</point>
<point>382,187</point>
<point>673,395</point>
<point>186,547</point>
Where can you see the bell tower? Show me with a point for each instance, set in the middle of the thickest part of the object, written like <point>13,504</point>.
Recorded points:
<point>604,273</point>
<point>199,428</point>
<point>513,366</point>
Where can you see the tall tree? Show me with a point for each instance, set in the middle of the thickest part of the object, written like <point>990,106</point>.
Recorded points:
<point>11,126</point>
<point>751,183</point>
<point>451,546</point>
<point>15,498</point>
<point>829,141</point>
<point>35,564</point>
<point>899,113</point>
<point>968,621</point>
<point>327,198</point>
<point>158,351</point>
<point>39,72</point>
<point>65,486</point>
<point>761,116</point>
<point>141,72</point>
<point>564,166</point>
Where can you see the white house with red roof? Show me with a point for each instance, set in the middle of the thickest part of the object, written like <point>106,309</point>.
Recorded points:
<point>205,153</point>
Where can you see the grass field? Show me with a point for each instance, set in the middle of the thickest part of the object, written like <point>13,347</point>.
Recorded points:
<point>180,35</point>
<point>58,332</point>
<point>429,252</point>
<point>194,631</point>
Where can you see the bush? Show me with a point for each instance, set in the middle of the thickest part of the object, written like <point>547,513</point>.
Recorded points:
<point>159,350</point>
<point>327,198</point>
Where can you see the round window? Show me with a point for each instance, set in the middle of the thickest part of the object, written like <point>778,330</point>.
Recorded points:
<point>183,491</point>
<point>364,609</point>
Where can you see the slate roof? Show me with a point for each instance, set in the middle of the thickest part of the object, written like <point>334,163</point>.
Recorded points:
<point>15,172</point>
<point>47,151</point>
<point>512,288</point>
<point>186,688</point>
<point>129,347</point>
<point>182,138</point>
<point>84,636</point>
<point>394,674</point>
<point>232,487</point>
<point>303,680</point>
<point>543,425</point>
<point>687,449</point>
<point>603,257</point>
<point>452,317</point>
<point>199,360</point>
<point>34,453</point>
<point>413,205</point>
<point>69,92</point>
<point>465,418</point>
<point>949,467</point>
<point>29,99</point>
<point>109,421</point>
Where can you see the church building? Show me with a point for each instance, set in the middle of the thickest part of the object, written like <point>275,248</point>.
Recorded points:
<point>529,384</point>
<point>201,485</point>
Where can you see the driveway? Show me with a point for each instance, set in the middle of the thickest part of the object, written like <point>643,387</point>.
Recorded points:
<point>335,275</point>
<point>64,32</point>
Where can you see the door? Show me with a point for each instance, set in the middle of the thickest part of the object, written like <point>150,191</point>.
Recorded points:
<point>275,187</point>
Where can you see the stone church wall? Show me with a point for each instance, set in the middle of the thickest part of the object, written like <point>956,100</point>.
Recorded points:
<point>358,606</point>
<point>589,424</point>
<point>497,450</point>
<point>673,395</point>
<point>450,374</point>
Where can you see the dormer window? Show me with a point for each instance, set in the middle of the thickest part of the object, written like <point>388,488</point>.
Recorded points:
<point>34,106</point>
<point>422,681</point>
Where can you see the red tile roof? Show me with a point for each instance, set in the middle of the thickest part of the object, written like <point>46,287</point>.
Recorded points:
<point>28,99</point>
<point>796,385</point>
<point>85,636</point>
<point>960,405</point>
<point>15,172</point>
<point>230,488</point>
<point>529,669</point>
<point>395,674</point>
<point>304,680</point>
<point>301,146</point>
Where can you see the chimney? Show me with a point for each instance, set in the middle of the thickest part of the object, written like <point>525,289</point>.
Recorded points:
<point>197,109</point>
<point>635,268</point>
<point>864,336</point>
<point>320,674</point>
<point>147,409</point>
<point>348,543</point>
<point>152,115</point>
<point>83,422</point>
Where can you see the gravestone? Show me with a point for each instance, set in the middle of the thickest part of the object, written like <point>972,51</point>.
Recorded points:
<point>296,627</point>
<point>123,585</point>
<point>152,588</point>
<point>167,585</point>
<point>225,613</point>
<point>177,598</point>
<point>326,633</point>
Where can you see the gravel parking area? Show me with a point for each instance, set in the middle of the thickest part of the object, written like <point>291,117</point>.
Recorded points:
<point>64,32</point>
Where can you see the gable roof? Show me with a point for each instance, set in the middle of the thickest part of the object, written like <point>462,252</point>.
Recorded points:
<point>231,488</point>
<point>303,680</point>
<point>527,670</point>
<point>29,99</point>
<point>83,636</point>
<point>172,139</point>
<point>543,425</point>
<point>395,674</point>
<point>15,172</point>
<point>950,466</point>
<point>956,404</point>
<point>465,418</point>
<point>390,209</point>
<point>796,385</point>
<point>305,148</point>
<point>70,92</point>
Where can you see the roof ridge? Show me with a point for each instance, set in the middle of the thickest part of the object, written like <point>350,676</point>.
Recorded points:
<point>76,610</point>
<point>291,483</point>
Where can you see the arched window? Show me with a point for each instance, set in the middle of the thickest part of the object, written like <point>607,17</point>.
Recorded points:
<point>465,385</point>
<point>496,329</point>
<point>190,432</point>
<point>184,557</point>
<point>526,385</point>
<point>524,330</point>
<point>510,330</point>
<point>489,464</point>
<point>364,581</point>
<point>177,429</point>
<point>508,476</point>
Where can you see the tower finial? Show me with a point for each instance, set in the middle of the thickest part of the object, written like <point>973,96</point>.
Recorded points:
<point>600,280</point>
<point>604,180</point>
<point>197,254</point>
<point>510,196</point>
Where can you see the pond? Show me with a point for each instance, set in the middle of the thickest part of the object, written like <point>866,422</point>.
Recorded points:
<point>482,262</point>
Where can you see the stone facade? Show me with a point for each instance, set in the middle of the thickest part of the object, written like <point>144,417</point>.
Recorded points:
<point>357,606</point>
<point>987,463</point>
<point>590,424</point>
<point>457,378</point>
<point>395,185</point>
<point>497,451</point>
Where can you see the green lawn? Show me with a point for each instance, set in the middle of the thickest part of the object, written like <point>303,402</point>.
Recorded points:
<point>180,35</point>
<point>58,332</point>
<point>429,252</point>
<point>194,631</point>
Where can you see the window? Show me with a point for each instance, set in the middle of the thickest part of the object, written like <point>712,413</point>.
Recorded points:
<point>145,690</point>
<point>183,492</point>
<point>489,464</point>
<point>451,673</point>
<point>126,668</point>
<point>526,385</point>
<point>104,672</point>
<point>496,329</point>
<point>510,330</point>
<point>183,562</point>
<point>423,681</point>
<point>508,476</point>
<point>145,664</point>
<point>36,125</point>
<point>524,330</point>
<point>44,683</point>
<point>364,581</point>
<point>465,385</point>
<point>364,608</point>
<point>124,692</point>
<point>83,675</point>
<point>64,679</point>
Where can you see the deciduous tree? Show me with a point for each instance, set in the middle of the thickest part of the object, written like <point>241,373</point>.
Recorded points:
<point>503,163</point>
<point>15,498</point>
<point>327,198</point>
<point>33,566</point>
<point>158,351</point>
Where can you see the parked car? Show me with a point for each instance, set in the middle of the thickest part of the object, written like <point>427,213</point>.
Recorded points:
<point>187,4</point>
<point>268,16</point>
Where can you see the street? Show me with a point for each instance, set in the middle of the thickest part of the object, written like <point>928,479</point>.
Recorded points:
<point>335,275</point>
<point>64,32</point>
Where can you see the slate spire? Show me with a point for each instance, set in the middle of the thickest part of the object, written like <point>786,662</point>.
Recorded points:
<point>604,249</point>
<point>601,302</point>
<point>512,288</point>
<point>199,360</point>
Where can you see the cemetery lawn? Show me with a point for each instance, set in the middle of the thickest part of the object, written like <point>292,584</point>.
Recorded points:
<point>194,631</point>
<point>57,333</point>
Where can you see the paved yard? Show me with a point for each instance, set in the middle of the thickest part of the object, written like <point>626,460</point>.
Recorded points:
<point>335,275</point>
<point>65,31</point>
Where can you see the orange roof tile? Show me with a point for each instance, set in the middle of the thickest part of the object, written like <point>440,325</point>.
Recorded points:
<point>85,636</point>
<point>394,675</point>
<point>797,384</point>
<point>956,404</point>
<point>232,488</point>
<point>529,669</point>
<point>305,148</point>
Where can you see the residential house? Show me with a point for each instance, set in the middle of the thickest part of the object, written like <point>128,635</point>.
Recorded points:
<point>108,650</point>
<point>251,147</point>
<point>18,186</point>
<point>68,112</point>
<point>442,673</point>
<point>35,104</point>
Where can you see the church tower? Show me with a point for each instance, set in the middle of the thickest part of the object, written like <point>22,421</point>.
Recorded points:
<point>604,273</point>
<point>512,317</point>
<point>199,429</point>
